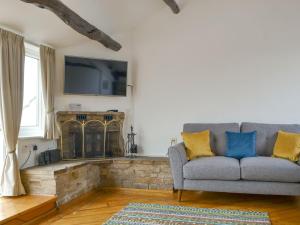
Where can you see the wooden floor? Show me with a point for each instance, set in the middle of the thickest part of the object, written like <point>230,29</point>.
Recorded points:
<point>19,210</point>
<point>100,206</point>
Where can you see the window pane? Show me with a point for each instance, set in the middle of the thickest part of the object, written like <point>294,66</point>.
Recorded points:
<point>30,97</point>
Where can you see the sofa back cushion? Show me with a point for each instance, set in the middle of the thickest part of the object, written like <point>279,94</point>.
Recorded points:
<point>217,137</point>
<point>267,134</point>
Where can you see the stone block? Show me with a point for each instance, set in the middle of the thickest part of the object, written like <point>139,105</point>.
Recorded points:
<point>140,186</point>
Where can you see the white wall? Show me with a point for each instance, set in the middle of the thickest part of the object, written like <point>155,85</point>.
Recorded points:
<point>25,146</point>
<point>92,49</point>
<point>216,61</point>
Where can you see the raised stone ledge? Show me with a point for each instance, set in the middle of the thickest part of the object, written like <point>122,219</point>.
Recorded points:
<point>70,179</point>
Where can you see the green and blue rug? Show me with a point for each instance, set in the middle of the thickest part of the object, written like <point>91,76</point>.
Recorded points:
<point>146,214</point>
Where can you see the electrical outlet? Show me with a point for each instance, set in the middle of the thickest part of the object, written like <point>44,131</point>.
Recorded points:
<point>34,147</point>
<point>173,141</point>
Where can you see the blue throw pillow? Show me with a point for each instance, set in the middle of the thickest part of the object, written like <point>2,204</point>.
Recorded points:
<point>241,145</point>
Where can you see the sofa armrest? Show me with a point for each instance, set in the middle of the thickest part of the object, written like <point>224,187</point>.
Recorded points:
<point>177,156</point>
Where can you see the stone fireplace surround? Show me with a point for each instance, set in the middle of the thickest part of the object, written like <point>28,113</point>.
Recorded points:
<point>71,179</point>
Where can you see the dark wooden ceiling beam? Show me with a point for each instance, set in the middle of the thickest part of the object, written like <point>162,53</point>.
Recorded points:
<point>173,5</point>
<point>72,19</point>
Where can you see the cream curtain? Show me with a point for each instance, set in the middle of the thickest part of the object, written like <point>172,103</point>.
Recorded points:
<point>48,71</point>
<point>12,57</point>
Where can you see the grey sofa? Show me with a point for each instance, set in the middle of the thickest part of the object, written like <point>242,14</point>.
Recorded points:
<point>254,175</point>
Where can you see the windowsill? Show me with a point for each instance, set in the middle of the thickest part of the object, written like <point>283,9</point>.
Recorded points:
<point>31,137</point>
<point>36,136</point>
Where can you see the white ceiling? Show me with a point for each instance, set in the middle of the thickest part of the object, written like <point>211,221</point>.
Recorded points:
<point>42,26</point>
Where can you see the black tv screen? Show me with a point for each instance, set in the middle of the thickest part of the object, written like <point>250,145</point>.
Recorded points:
<point>95,76</point>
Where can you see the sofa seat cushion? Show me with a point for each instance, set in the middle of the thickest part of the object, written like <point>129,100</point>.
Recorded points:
<point>212,168</point>
<point>269,169</point>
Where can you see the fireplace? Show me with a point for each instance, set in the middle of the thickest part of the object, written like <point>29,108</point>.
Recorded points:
<point>88,135</point>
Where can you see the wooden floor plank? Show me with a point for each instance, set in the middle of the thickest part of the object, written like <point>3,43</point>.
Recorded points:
<point>101,205</point>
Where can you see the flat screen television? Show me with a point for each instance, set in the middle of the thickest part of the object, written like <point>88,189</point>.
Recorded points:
<point>95,76</point>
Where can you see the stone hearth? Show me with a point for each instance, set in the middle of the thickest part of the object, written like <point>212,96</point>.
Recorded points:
<point>70,179</point>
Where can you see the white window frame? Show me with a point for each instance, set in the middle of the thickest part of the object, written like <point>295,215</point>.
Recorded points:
<point>35,131</point>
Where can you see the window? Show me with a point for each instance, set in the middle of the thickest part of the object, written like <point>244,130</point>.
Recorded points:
<point>32,115</point>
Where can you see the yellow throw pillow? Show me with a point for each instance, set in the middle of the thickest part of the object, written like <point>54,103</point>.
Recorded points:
<point>287,146</point>
<point>197,144</point>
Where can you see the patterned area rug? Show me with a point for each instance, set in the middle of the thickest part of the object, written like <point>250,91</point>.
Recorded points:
<point>146,214</point>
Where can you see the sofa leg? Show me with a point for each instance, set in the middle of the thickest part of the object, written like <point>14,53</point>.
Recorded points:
<point>179,195</point>
<point>174,190</point>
